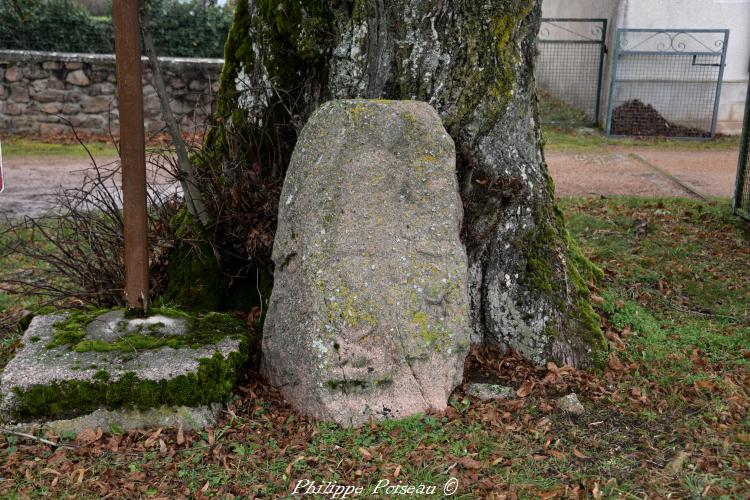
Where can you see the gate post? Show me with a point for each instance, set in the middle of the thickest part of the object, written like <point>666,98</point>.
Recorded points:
<point>741,194</point>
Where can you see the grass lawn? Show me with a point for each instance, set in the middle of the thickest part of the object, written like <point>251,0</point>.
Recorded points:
<point>17,147</point>
<point>667,416</point>
<point>582,140</point>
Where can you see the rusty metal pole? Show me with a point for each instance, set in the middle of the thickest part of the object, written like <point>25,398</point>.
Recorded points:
<point>132,151</point>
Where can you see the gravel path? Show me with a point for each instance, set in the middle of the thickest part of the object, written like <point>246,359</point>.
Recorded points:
<point>32,182</point>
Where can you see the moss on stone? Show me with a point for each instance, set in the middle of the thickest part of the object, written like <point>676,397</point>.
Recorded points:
<point>72,329</point>
<point>202,329</point>
<point>212,383</point>
<point>194,278</point>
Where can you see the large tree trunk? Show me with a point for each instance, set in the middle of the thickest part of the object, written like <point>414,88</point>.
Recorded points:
<point>473,62</point>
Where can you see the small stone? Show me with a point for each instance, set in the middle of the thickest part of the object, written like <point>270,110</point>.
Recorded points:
<point>49,95</point>
<point>11,108</point>
<point>197,85</point>
<point>78,78</point>
<point>71,108</point>
<point>51,107</point>
<point>72,66</point>
<point>12,74</point>
<point>96,104</point>
<point>103,88</point>
<point>177,83</point>
<point>19,93</point>
<point>55,84</point>
<point>488,392</point>
<point>51,65</point>
<point>570,404</point>
<point>36,73</point>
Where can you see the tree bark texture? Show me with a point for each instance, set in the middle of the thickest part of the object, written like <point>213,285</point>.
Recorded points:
<point>473,62</point>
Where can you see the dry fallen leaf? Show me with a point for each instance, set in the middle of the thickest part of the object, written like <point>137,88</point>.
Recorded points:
<point>580,454</point>
<point>152,439</point>
<point>615,363</point>
<point>556,454</point>
<point>675,465</point>
<point>525,389</point>
<point>180,436</point>
<point>88,436</point>
<point>470,463</point>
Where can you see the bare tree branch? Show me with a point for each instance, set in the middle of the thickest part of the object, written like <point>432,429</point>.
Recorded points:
<point>193,195</point>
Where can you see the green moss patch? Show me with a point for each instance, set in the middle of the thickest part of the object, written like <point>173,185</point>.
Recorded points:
<point>212,383</point>
<point>202,330</point>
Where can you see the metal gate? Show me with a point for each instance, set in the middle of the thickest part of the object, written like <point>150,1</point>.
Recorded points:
<point>742,193</point>
<point>666,82</point>
<point>569,70</point>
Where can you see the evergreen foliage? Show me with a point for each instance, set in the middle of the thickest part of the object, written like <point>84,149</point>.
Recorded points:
<point>180,29</point>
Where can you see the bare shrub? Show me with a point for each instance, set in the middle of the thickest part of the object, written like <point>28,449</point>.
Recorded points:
<point>79,249</point>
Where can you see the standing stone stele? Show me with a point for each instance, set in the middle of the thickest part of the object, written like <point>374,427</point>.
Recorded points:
<point>369,311</point>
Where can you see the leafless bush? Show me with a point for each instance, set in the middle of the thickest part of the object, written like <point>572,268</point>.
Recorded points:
<point>242,168</point>
<point>78,250</point>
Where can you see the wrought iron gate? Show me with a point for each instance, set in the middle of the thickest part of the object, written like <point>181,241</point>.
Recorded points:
<point>742,193</point>
<point>666,82</point>
<point>569,70</point>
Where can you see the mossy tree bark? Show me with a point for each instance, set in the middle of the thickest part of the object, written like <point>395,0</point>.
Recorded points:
<point>473,62</point>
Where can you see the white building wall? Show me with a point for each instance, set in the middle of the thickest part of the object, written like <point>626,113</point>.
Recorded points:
<point>733,15</point>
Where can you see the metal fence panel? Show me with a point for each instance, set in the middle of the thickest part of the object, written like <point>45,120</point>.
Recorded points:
<point>666,82</point>
<point>569,70</point>
<point>742,193</point>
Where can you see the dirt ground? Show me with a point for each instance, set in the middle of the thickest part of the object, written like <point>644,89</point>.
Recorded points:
<point>32,182</point>
<point>644,172</point>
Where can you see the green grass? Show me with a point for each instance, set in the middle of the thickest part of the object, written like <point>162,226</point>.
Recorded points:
<point>22,148</point>
<point>590,140</point>
<point>674,302</point>
<point>554,111</point>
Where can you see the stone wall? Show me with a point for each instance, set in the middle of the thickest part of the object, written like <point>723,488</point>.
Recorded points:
<point>41,92</point>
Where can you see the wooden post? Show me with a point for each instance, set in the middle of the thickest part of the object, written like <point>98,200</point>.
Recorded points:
<point>132,151</point>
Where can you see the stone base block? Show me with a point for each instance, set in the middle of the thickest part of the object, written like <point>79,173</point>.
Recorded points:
<point>81,370</point>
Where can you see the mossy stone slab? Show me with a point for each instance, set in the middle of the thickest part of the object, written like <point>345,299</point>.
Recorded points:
<point>45,381</point>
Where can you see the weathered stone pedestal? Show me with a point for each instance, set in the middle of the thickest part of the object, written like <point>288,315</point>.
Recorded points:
<point>77,370</point>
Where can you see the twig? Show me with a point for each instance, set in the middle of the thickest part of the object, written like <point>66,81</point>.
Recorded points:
<point>34,438</point>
